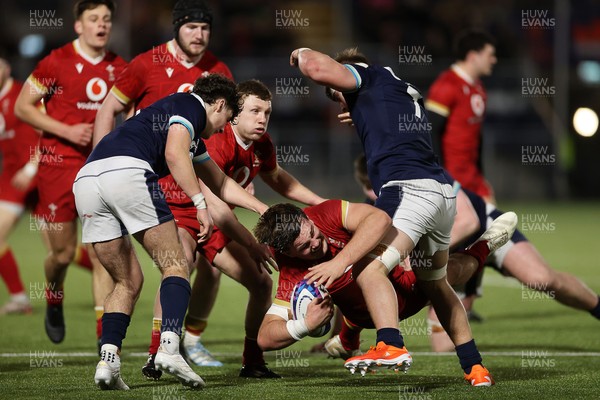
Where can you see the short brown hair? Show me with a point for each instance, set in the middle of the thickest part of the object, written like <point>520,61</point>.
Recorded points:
<point>351,56</point>
<point>254,87</point>
<point>84,5</point>
<point>280,226</point>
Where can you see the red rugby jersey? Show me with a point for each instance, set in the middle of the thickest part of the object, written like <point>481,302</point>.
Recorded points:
<point>74,86</point>
<point>461,100</point>
<point>330,217</point>
<point>17,138</point>
<point>158,72</point>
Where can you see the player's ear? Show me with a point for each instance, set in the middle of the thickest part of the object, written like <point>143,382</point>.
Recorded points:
<point>220,105</point>
<point>78,26</point>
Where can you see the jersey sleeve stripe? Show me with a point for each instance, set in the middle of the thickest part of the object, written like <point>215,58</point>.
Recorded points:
<point>437,108</point>
<point>37,85</point>
<point>282,303</point>
<point>178,119</point>
<point>120,96</point>
<point>344,213</point>
<point>356,75</point>
<point>201,158</point>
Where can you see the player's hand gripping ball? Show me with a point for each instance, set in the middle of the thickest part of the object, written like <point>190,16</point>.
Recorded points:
<point>302,295</point>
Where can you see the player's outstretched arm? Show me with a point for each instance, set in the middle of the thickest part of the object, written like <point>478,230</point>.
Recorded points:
<point>226,221</point>
<point>323,69</point>
<point>288,186</point>
<point>105,118</point>
<point>368,226</point>
<point>226,188</point>
<point>26,108</point>
<point>277,332</point>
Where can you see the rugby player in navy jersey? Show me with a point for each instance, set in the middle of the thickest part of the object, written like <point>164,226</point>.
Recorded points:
<point>117,194</point>
<point>389,117</point>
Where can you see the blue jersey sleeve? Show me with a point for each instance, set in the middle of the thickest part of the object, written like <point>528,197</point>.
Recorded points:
<point>360,75</point>
<point>189,111</point>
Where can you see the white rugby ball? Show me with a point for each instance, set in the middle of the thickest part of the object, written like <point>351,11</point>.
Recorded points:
<point>302,295</point>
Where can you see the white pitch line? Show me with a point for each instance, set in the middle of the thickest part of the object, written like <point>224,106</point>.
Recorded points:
<point>416,353</point>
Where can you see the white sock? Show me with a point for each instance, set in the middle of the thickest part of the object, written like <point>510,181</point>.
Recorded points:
<point>190,340</point>
<point>110,354</point>
<point>169,342</point>
<point>20,298</point>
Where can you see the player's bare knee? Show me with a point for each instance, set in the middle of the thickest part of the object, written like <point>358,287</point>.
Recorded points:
<point>63,256</point>
<point>261,286</point>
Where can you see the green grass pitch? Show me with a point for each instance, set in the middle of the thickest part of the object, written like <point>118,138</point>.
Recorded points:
<point>535,347</point>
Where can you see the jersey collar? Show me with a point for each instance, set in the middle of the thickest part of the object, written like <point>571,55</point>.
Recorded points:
<point>462,74</point>
<point>173,51</point>
<point>199,99</point>
<point>79,50</point>
<point>240,141</point>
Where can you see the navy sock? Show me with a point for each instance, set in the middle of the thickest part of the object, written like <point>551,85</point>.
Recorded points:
<point>114,328</point>
<point>390,336</point>
<point>596,310</point>
<point>468,355</point>
<point>174,298</point>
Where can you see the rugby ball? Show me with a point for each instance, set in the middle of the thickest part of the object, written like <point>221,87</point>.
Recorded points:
<point>302,295</point>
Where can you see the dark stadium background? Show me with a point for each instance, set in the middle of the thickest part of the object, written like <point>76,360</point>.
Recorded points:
<point>255,38</point>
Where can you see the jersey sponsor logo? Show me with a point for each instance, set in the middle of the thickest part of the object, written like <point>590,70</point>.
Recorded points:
<point>96,89</point>
<point>185,88</point>
<point>241,175</point>
<point>477,104</point>
<point>79,67</point>
<point>169,71</point>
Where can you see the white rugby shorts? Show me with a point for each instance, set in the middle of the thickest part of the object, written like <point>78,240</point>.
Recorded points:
<point>116,196</point>
<point>424,209</point>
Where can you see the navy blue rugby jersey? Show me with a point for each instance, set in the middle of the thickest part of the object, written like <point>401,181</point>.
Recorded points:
<point>144,136</point>
<point>390,119</point>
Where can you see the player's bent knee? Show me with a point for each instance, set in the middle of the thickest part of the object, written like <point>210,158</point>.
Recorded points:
<point>64,256</point>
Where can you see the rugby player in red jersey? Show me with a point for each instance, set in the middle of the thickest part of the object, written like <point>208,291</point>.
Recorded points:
<point>456,102</point>
<point>17,185</point>
<point>72,81</point>
<point>319,234</point>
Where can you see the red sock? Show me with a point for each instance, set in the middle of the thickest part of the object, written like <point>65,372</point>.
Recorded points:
<point>54,297</point>
<point>9,271</point>
<point>350,335</point>
<point>82,258</point>
<point>155,339</point>
<point>479,251</point>
<point>253,355</point>
<point>99,312</point>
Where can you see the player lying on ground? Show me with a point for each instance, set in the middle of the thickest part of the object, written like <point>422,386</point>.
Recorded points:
<point>319,234</point>
<point>135,156</point>
<point>243,151</point>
